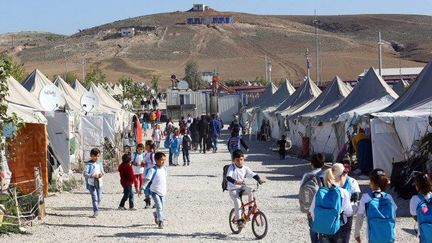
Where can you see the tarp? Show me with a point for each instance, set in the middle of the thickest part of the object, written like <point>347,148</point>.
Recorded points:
<point>58,133</point>
<point>91,134</point>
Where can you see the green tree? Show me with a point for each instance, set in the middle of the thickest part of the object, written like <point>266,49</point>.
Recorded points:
<point>69,77</point>
<point>261,80</point>
<point>127,84</point>
<point>95,75</point>
<point>6,66</point>
<point>16,69</point>
<point>192,75</point>
<point>155,82</point>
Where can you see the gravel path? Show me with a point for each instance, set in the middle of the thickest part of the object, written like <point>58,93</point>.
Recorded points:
<point>197,210</point>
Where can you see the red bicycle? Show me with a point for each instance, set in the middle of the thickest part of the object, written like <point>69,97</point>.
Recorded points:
<point>250,211</point>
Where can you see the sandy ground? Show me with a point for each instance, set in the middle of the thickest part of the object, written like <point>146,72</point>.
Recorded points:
<point>197,210</point>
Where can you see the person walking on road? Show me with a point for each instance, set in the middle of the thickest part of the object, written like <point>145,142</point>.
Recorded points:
<point>203,129</point>
<point>215,130</point>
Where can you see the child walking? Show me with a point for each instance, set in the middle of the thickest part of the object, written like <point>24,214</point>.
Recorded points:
<point>175,143</point>
<point>235,142</point>
<point>282,147</point>
<point>156,180</point>
<point>381,210</point>
<point>127,178</point>
<point>331,207</point>
<point>186,146</point>
<point>236,174</point>
<point>421,207</point>
<point>137,162</point>
<point>157,135</point>
<point>149,161</point>
<point>93,174</point>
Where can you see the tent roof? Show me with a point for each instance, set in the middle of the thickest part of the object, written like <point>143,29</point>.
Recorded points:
<point>282,93</point>
<point>401,86</point>
<point>105,100</point>
<point>418,96</point>
<point>78,87</point>
<point>301,98</point>
<point>73,99</point>
<point>268,91</point>
<point>35,82</point>
<point>372,89</point>
<point>330,97</point>
<point>23,103</point>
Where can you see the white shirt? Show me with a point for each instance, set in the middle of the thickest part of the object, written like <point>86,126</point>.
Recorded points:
<point>346,207</point>
<point>157,135</point>
<point>149,159</point>
<point>159,183</point>
<point>138,158</point>
<point>238,174</point>
<point>315,171</point>
<point>415,201</point>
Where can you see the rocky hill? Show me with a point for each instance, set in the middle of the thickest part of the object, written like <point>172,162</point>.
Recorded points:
<point>163,44</point>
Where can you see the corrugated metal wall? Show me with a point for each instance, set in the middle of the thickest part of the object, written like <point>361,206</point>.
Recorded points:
<point>227,106</point>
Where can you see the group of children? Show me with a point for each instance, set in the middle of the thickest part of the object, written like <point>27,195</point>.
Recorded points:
<point>336,198</point>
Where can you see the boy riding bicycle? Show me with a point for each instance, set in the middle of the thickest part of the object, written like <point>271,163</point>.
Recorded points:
<point>235,176</point>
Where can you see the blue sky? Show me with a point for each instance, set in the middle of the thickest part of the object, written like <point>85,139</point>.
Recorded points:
<point>67,16</point>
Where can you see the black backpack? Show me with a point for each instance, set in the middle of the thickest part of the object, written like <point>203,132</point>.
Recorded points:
<point>224,180</point>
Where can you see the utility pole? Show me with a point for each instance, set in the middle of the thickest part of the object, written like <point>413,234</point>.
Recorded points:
<point>307,63</point>
<point>380,43</point>
<point>269,71</point>
<point>266,67</point>
<point>318,74</point>
<point>83,63</point>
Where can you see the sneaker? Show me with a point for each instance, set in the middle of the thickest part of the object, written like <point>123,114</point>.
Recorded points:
<point>240,224</point>
<point>121,208</point>
<point>161,225</point>
<point>184,164</point>
<point>95,214</point>
<point>132,209</point>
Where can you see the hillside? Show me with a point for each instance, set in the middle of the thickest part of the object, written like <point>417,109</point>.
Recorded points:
<point>164,44</point>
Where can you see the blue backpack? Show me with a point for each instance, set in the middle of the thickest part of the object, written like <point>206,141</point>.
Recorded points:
<point>424,219</point>
<point>347,185</point>
<point>167,142</point>
<point>381,218</point>
<point>327,212</point>
<point>234,143</point>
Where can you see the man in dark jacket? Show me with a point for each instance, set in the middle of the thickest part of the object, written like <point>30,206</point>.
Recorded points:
<point>215,129</point>
<point>203,129</point>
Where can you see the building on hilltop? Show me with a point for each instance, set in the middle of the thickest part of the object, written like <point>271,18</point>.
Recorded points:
<point>127,32</point>
<point>199,8</point>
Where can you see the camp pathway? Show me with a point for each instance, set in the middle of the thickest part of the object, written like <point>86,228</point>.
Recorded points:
<point>197,210</point>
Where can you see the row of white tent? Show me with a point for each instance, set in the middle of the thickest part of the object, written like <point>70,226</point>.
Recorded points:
<point>72,132</point>
<point>396,120</point>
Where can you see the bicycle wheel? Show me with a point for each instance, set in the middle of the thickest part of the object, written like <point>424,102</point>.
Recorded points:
<point>259,225</point>
<point>233,225</point>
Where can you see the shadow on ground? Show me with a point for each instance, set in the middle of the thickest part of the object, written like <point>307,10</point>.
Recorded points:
<point>202,236</point>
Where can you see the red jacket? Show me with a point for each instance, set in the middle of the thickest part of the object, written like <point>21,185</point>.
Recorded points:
<point>126,174</point>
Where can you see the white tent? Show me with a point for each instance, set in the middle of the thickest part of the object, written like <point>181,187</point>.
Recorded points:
<point>371,94</point>
<point>24,104</point>
<point>118,90</point>
<point>300,124</point>
<point>401,86</point>
<point>395,130</point>
<point>78,87</point>
<point>298,101</point>
<point>71,96</point>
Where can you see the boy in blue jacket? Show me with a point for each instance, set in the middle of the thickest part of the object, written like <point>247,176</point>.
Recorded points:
<point>93,174</point>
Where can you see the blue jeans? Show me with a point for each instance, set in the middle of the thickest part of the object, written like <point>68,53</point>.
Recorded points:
<point>160,204</point>
<point>127,194</point>
<point>170,157</point>
<point>96,195</point>
<point>185,156</point>
<point>214,142</point>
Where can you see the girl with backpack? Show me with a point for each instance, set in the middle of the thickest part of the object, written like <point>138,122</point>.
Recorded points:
<point>379,209</point>
<point>149,162</point>
<point>186,146</point>
<point>421,207</point>
<point>352,186</point>
<point>331,207</point>
<point>175,147</point>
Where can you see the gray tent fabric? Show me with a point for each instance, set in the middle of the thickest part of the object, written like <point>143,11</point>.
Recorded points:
<point>71,96</point>
<point>418,95</point>
<point>78,87</point>
<point>372,89</point>
<point>400,87</point>
<point>282,93</point>
<point>302,97</point>
<point>58,133</point>
<point>332,96</point>
<point>35,81</point>
<point>268,91</point>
